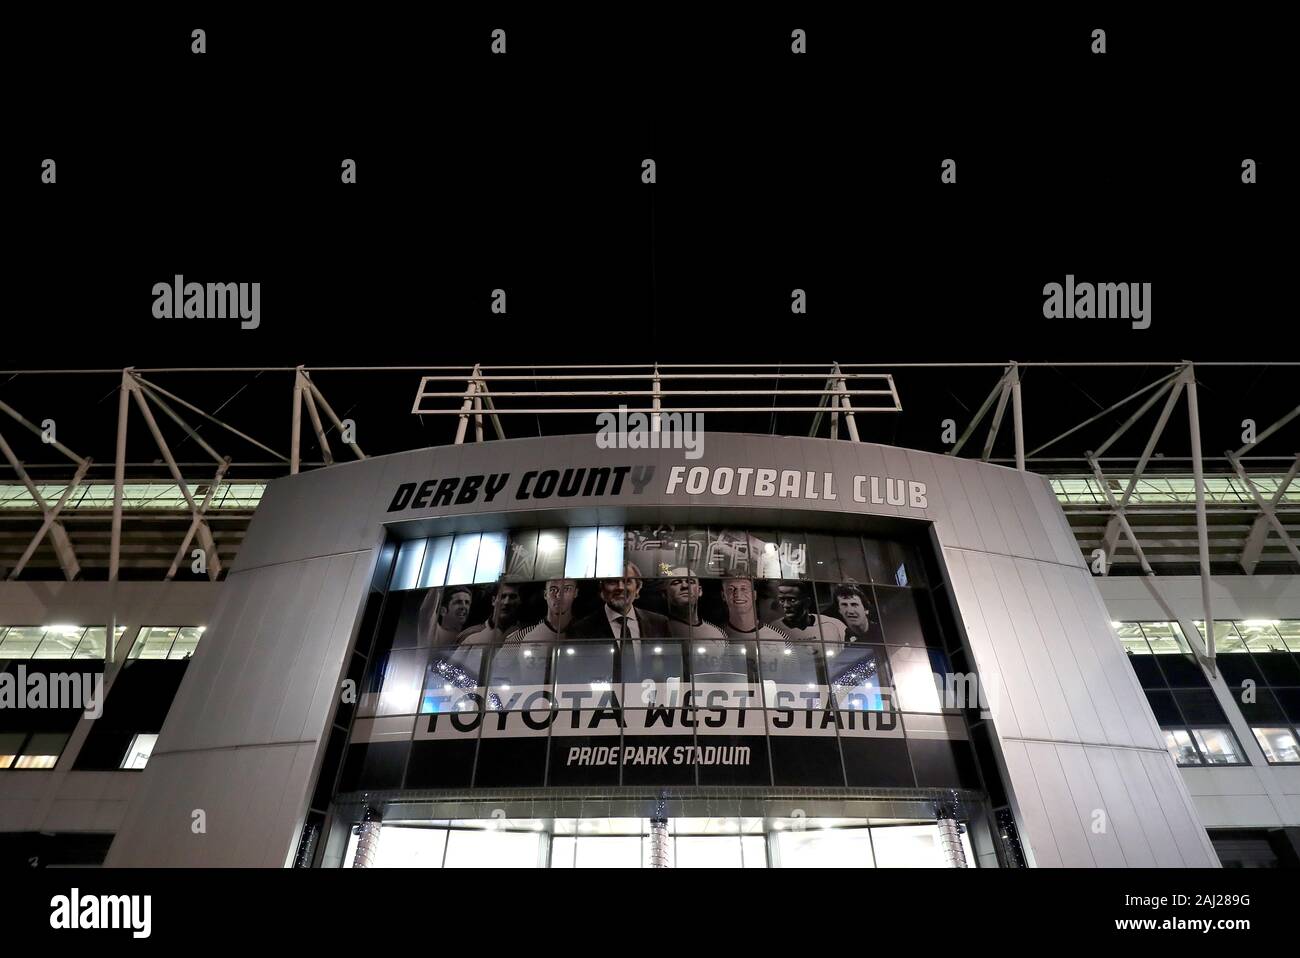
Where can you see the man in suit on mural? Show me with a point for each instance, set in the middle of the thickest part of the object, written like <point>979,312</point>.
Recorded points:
<point>618,617</point>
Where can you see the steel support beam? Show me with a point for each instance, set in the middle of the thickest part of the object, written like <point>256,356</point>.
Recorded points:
<point>1202,531</point>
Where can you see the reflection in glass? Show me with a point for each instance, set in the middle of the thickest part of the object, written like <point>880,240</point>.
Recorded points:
<point>437,555</point>
<point>1279,745</point>
<point>794,676</point>
<point>407,571</point>
<point>1179,744</point>
<point>855,677</point>
<point>464,556</point>
<point>654,673</point>
<point>1218,746</point>
<point>491,557</point>
<point>580,553</point>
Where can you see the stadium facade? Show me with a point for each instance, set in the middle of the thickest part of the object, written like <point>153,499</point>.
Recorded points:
<point>547,652</point>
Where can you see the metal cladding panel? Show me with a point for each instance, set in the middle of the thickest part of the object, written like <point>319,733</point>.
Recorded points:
<point>247,730</point>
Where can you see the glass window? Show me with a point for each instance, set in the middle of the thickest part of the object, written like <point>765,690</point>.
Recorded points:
<point>1289,630</point>
<point>823,560</point>
<point>92,643</point>
<point>1130,636</point>
<point>42,750</point>
<point>491,848</point>
<point>521,555</point>
<point>491,557</point>
<point>187,640</point>
<point>11,744</point>
<point>1200,706</point>
<point>1218,746</point>
<point>1166,638</point>
<point>60,642</point>
<point>857,676</point>
<point>585,674</point>
<point>437,555</point>
<point>910,846</point>
<point>518,674</point>
<point>709,851</point>
<point>1226,639</point>
<point>21,641</point>
<point>725,673</point>
<point>137,756</point>
<point>1179,744</point>
<point>654,673</point>
<point>915,681</point>
<point>793,556</point>
<point>823,847</point>
<point>580,553</point>
<point>464,556</point>
<point>853,564</point>
<point>154,643</point>
<point>1279,744</point>
<point>1260,635</point>
<point>794,675</point>
<point>406,573</point>
<point>550,554</point>
<point>609,553</point>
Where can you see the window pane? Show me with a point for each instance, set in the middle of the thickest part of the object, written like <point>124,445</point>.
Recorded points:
<point>21,641</point>
<point>580,553</point>
<point>407,572</point>
<point>154,643</point>
<point>856,677</point>
<point>1166,638</point>
<point>550,554</point>
<point>59,643</point>
<point>137,756</point>
<point>1279,745</point>
<point>915,681</point>
<point>521,555</point>
<point>823,561</point>
<point>793,555</point>
<point>908,846</point>
<point>488,848</point>
<point>1260,636</point>
<point>1226,638</point>
<point>1130,636</point>
<point>1218,746</point>
<point>464,556</point>
<point>609,553</point>
<point>42,750</point>
<point>1201,707</point>
<point>437,554</point>
<point>1180,747</point>
<point>187,640</point>
<point>10,743</point>
<point>825,848</point>
<point>708,851</point>
<point>1289,629</point>
<point>92,643</point>
<point>794,675</point>
<point>491,557</point>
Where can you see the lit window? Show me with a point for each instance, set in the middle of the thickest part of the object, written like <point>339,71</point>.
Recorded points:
<point>1218,746</point>
<point>42,751</point>
<point>407,571</point>
<point>1179,744</point>
<point>1279,745</point>
<point>10,745</point>
<point>154,643</point>
<point>137,756</point>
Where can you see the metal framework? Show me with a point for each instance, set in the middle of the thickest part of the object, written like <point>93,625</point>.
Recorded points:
<point>831,396</point>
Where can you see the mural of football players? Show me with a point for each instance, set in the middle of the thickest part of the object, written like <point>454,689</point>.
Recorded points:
<point>798,622</point>
<point>618,617</point>
<point>855,609</point>
<point>742,610</point>
<point>560,595</point>
<point>443,616</point>
<point>507,603</point>
<point>682,595</point>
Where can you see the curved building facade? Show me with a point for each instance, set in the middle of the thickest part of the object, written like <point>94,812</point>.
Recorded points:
<point>541,652</point>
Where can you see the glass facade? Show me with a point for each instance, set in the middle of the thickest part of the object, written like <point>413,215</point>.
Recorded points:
<point>1196,730</point>
<point>714,842</point>
<point>593,664</point>
<point>1259,660</point>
